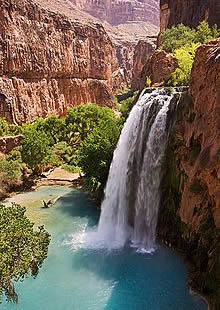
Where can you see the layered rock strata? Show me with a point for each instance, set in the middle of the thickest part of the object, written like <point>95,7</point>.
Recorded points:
<point>158,67</point>
<point>49,63</point>
<point>142,53</point>
<point>121,11</point>
<point>188,12</point>
<point>190,211</point>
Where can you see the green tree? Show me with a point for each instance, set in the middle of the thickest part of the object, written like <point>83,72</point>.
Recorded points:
<point>35,147</point>
<point>22,249</point>
<point>185,57</point>
<point>96,152</point>
<point>176,37</point>
<point>53,127</point>
<point>81,120</point>
<point>203,33</point>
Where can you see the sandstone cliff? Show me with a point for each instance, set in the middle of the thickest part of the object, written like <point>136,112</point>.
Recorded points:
<point>121,11</point>
<point>133,24</point>
<point>190,212</point>
<point>158,66</point>
<point>188,12</point>
<point>49,63</point>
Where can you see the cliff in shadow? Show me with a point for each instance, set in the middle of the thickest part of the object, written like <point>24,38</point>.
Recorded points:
<point>188,12</point>
<point>190,212</point>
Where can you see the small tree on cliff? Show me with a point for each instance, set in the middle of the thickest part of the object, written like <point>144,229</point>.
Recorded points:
<point>22,250</point>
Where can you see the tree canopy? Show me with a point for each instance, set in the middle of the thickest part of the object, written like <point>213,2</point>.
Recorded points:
<point>22,249</point>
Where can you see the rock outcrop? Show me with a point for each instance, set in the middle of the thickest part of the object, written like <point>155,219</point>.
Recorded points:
<point>49,63</point>
<point>8,143</point>
<point>190,212</point>
<point>158,68</point>
<point>142,53</point>
<point>188,12</point>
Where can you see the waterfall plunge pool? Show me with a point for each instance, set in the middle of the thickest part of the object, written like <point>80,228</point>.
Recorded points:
<point>75,277</point>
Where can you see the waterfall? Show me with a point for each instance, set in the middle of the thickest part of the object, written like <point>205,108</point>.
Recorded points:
<point>132,195</point>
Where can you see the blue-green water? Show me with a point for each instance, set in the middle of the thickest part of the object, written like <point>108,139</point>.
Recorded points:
<point>75,277</point>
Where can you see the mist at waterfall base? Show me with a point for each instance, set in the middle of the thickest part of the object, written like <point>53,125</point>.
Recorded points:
<point>77,277</point>
<point>132,195</point>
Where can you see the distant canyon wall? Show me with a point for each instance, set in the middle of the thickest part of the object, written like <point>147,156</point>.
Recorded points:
<point>49,63</point>
<point>188,12</point>
<point>121,11</point>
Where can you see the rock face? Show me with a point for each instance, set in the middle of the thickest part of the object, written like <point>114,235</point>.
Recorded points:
<point>49,63</point>
<point>142,53</point>
<point>7,144</point>
<point>190,212</point>
<point>158,67</point>
<point>121,11</point>
<point>124,35</point>
<point>188,12</point>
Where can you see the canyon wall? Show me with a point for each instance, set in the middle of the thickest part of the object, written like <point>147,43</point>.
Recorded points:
<point>188,12</point>
<point>121,11</point>
<point>190,210</point>
<point>49,63</point>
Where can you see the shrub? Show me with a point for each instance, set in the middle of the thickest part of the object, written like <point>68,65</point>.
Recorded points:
<point>10,169</point>
<point>185,57</point>
<point>4,128</point>
<point>35,147</point>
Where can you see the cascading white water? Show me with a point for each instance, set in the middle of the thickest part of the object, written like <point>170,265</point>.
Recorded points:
<point>132,194</point>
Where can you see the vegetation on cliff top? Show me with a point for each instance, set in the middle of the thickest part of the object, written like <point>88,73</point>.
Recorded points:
<point>183,41</point>
<point>22,249</point>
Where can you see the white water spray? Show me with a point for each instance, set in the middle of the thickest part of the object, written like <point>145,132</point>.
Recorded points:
<point>132,194</point>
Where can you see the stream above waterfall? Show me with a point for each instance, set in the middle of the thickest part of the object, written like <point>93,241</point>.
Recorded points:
<point>77,277</point>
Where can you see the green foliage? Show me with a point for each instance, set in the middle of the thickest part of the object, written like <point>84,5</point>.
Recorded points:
<point>35,147</point>
<point>185,57</point>
<point>22,250</point>
<point>204,34</point>
<point>53,126</point>
<point>96,153</point>
<point>183,42</point>
<point>127,105</point>
<point>4,127</point>
<point>65,152</point>
<point>148,81</point>
<point>181,35</point>
<point>85,140</point>
<point>176,37</point>
<point>81,120</point>
<point>10,169</point>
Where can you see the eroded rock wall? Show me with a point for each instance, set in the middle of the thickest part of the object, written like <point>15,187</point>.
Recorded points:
<point>190,211</point>
<point>188,12</point>
<point>121,11</point>
<point>158,67</point>
<point>49,63</point>
<point>142,53</point>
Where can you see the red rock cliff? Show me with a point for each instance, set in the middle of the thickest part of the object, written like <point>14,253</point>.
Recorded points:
<point>190,212</point>
<point>121,11</point>
<point>49,63</point>
<point>188,12</point>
